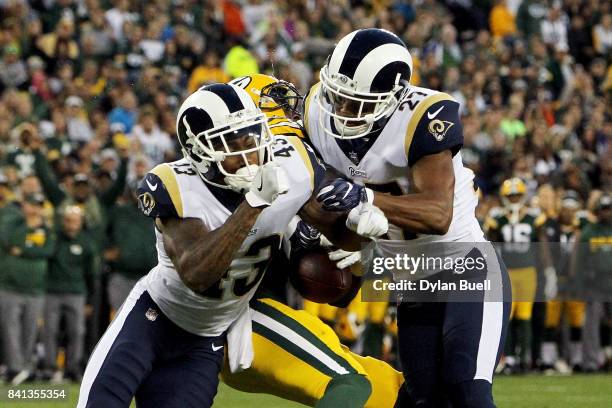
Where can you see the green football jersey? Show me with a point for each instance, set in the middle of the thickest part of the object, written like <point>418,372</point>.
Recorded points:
<point>515,236</point>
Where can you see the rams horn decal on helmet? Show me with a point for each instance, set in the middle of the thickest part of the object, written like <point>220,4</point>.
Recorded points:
<point>207,123</point>
<point>362,82</point>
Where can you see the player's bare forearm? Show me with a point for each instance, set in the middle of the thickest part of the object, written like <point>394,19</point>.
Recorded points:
<point>202,257</point>
<point>429,209</point>
<point>332,225</point>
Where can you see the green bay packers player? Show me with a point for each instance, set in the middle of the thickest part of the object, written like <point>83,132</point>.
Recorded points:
<point>296,355</point>
<point>399,145</point>
<point>565,230</point>
<point>220,214</point>
<point>516,226</point>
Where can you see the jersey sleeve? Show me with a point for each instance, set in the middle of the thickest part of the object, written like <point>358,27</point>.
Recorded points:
<point>306,106</point>
<point>285,127</point>
<point>159,195</point>
<point>313,163</point>
<point>435,126</point>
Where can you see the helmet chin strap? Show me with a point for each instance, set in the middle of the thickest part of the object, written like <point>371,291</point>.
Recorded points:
<point>351,130</point>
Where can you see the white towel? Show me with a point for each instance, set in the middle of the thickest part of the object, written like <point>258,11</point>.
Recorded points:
<point>240,342</point>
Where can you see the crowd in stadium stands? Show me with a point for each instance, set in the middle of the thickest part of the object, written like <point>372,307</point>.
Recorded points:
<point>89,91</point>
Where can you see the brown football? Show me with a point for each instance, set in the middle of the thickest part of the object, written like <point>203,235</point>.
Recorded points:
<point>318,279</point>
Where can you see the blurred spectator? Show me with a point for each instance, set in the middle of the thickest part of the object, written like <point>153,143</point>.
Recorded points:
<point>78,127</point>
<point>118,16</point>
<point>580,40</point>
<point>38,78</point>
<point>7,200</point>
<point>80,192</point>
<point>131,251</point>
<point>602,35</point>
<point>554,28</point>
<point>125,113</point>
<point>58,46</point>
<point>27,244</point>
<point>13,73</point>
<point>21,156</point>
<point>72,269</point>
<point>232,17</point>
<point>207,73</point>
<point>529,17</point>
<point>154,143</point>
<point>240,62</point>
<point>300,68</point>
<point>139,166</point>
<point>501,20</point>
<point>98,35</point>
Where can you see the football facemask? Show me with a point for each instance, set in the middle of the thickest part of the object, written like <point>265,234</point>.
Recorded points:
<point>237,149</point>
<point>281,95</point>
<point>354,113</point>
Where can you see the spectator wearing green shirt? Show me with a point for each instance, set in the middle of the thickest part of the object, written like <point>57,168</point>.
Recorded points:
<point>71,272</point>
<point>22,287</point>
<point>132,253</point>
<point>94,204</point>
<point>9,210</point>
<point>21,157</point>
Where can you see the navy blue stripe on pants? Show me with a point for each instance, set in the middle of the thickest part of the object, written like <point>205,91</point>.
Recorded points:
<point>449,350</point>
<point>145,355</point>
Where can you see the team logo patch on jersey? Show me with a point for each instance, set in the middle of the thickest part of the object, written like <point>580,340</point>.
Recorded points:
<point>146,202</point>
<point>76,249</point>
<point>356,172</point>
<point>151,314</point>
<point>438,128</point>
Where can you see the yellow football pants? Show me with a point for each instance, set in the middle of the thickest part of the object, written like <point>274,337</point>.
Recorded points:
<point>524,283</point>
<point>297,355</point>
<point>573,311</point>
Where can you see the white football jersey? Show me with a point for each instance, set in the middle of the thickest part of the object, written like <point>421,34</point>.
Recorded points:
<point>176,190</point>
<point>425,122</point>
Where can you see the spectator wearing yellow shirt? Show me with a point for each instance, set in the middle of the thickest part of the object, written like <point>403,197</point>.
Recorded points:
<point>59,45</point>
<point>239,61</point>
<point>502,20</point>
<point>208,72</point>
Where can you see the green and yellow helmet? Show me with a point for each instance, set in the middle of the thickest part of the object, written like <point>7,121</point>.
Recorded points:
<point>275,97</point>
<point>513,193</point>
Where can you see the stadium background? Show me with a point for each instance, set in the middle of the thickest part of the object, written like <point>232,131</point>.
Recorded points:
<point>89,90</point>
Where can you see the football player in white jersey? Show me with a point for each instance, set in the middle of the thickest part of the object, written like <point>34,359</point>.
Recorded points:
<point>401,143</point>
<point>220,214</point>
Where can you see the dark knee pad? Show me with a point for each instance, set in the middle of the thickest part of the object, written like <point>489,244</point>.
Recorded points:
<point>471,394</point>
<point>350,390</point>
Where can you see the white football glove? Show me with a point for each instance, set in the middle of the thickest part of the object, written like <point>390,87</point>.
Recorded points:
<point>367,220</point>
<point>345,258</point>
<point>269,182</point>
<point>550,283</point>
<point>243,178</point>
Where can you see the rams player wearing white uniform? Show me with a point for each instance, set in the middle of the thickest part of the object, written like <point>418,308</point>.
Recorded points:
<point>297,356</point>
<point>220,214</point>
<point>401,144</point>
